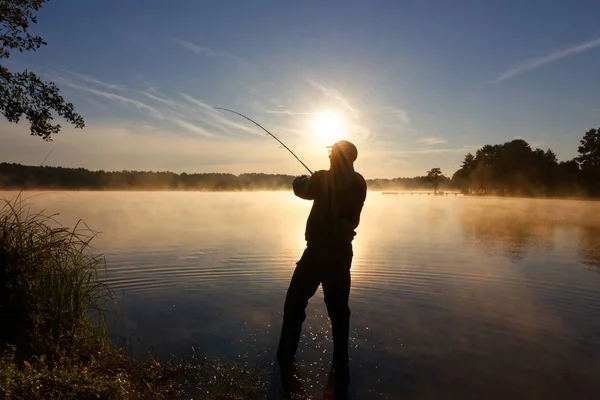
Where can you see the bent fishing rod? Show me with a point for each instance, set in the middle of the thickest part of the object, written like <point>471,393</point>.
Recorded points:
<point>268,133</point>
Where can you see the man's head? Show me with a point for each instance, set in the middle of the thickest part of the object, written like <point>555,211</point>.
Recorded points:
<point>342,153</point>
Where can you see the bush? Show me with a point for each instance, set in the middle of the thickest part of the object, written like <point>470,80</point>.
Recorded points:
<point>50,292</point>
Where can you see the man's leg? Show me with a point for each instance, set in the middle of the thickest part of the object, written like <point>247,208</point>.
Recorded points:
<point>303,286</point>
<point>336,288</point>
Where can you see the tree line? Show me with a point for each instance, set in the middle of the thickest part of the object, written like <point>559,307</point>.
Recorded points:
<point>23,177</point>
<point>515,169</point>
<point>17,177</point>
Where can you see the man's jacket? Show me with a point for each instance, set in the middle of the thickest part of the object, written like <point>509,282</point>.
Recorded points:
<point>338,201</point>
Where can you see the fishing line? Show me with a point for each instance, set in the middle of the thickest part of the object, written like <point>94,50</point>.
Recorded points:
<point>269,133</point>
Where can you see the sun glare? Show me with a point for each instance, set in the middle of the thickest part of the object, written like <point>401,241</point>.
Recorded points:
<point>327,127</point>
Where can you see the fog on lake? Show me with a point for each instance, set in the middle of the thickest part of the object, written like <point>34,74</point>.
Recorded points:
<point>465,296</point>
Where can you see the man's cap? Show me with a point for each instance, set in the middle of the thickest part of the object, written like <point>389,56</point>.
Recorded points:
<point>347,148</point>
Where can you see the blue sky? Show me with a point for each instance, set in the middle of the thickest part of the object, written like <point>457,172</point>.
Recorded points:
<point>415,84</point>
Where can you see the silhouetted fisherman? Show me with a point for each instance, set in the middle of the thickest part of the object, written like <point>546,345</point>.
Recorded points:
<point>338,194</point>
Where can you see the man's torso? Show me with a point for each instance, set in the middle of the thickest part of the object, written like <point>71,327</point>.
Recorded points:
<point>335,214</point>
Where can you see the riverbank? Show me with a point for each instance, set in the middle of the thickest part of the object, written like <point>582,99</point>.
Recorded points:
<point>53,298</point>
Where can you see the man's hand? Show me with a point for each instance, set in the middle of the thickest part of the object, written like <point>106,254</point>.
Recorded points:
<point>301,187</point>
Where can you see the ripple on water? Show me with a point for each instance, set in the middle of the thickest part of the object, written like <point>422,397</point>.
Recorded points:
<point>469,297</point>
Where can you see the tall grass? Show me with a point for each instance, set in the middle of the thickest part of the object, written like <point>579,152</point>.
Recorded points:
<point>50,292</point>
<point>53,332</point>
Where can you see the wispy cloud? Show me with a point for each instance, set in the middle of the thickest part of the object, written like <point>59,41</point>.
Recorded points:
<point>96,103</point>
<point>429,151</point>
<point>191,127</point>
<point>95,81</point>
<point>334,94</point>
<point>401,114</point>
<point>184,112</point>
<point>120,88</point>
<point>292,112</point>
<point>118,147</point>
<point>538,62</point>
<point>208,52</point>
<point>431,141</point>
<point>216,119</point>
<point>171,103</point>
<point>388,150</point>
<point>122,99</point>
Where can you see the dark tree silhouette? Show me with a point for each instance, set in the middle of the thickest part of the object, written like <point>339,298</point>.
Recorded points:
<point>435,177</point>
<point>17,176</point>
<point>24,93</point>
<point>463,178</point>
<point>515,169</point>
<point>589,161</point>
<point>590,150</point>
<point>469,162</point>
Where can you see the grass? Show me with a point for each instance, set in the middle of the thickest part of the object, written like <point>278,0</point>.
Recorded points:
<point>54,342</point>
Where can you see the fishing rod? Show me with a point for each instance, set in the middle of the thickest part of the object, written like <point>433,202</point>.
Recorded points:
<point>269,133</point>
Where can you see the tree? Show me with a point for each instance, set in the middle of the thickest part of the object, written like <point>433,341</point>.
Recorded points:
<point>462,179</point>
<point>590,150</point>
<point>24,92</point>
<point>435,177</point>
<point>511,168</point>
<point>486,174</point>
<point>589,161</point>
<point>469,162</point>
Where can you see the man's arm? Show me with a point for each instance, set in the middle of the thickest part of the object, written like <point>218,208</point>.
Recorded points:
<point>361,196</point>
<point>304,187</point>
<point>349,222</point>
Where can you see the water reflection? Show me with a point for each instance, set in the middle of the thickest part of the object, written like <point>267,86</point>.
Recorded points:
<point>589,244</point>
<point>514,229</point>
<point>509,227</point>
<point>451,297</point>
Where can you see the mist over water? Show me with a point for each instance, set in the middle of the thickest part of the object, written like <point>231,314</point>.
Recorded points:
<point>452,297</point>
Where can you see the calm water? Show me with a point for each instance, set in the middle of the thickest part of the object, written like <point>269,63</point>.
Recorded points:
<point>452,297</point>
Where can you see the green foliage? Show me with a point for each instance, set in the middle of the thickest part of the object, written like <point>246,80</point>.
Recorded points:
<point>24,92</point>
<point>16,16</point>
<point>49,287</point>
<point>36,380</point>
<point>113,375</point>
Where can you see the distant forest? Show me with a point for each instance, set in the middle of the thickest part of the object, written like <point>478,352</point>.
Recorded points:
<point>509,169</point>
<point>17,177</point>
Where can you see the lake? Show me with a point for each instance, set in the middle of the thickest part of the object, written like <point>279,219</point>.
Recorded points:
<point>452,297</point>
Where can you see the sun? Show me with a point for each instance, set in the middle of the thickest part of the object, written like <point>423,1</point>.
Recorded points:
<point>327,127</point>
